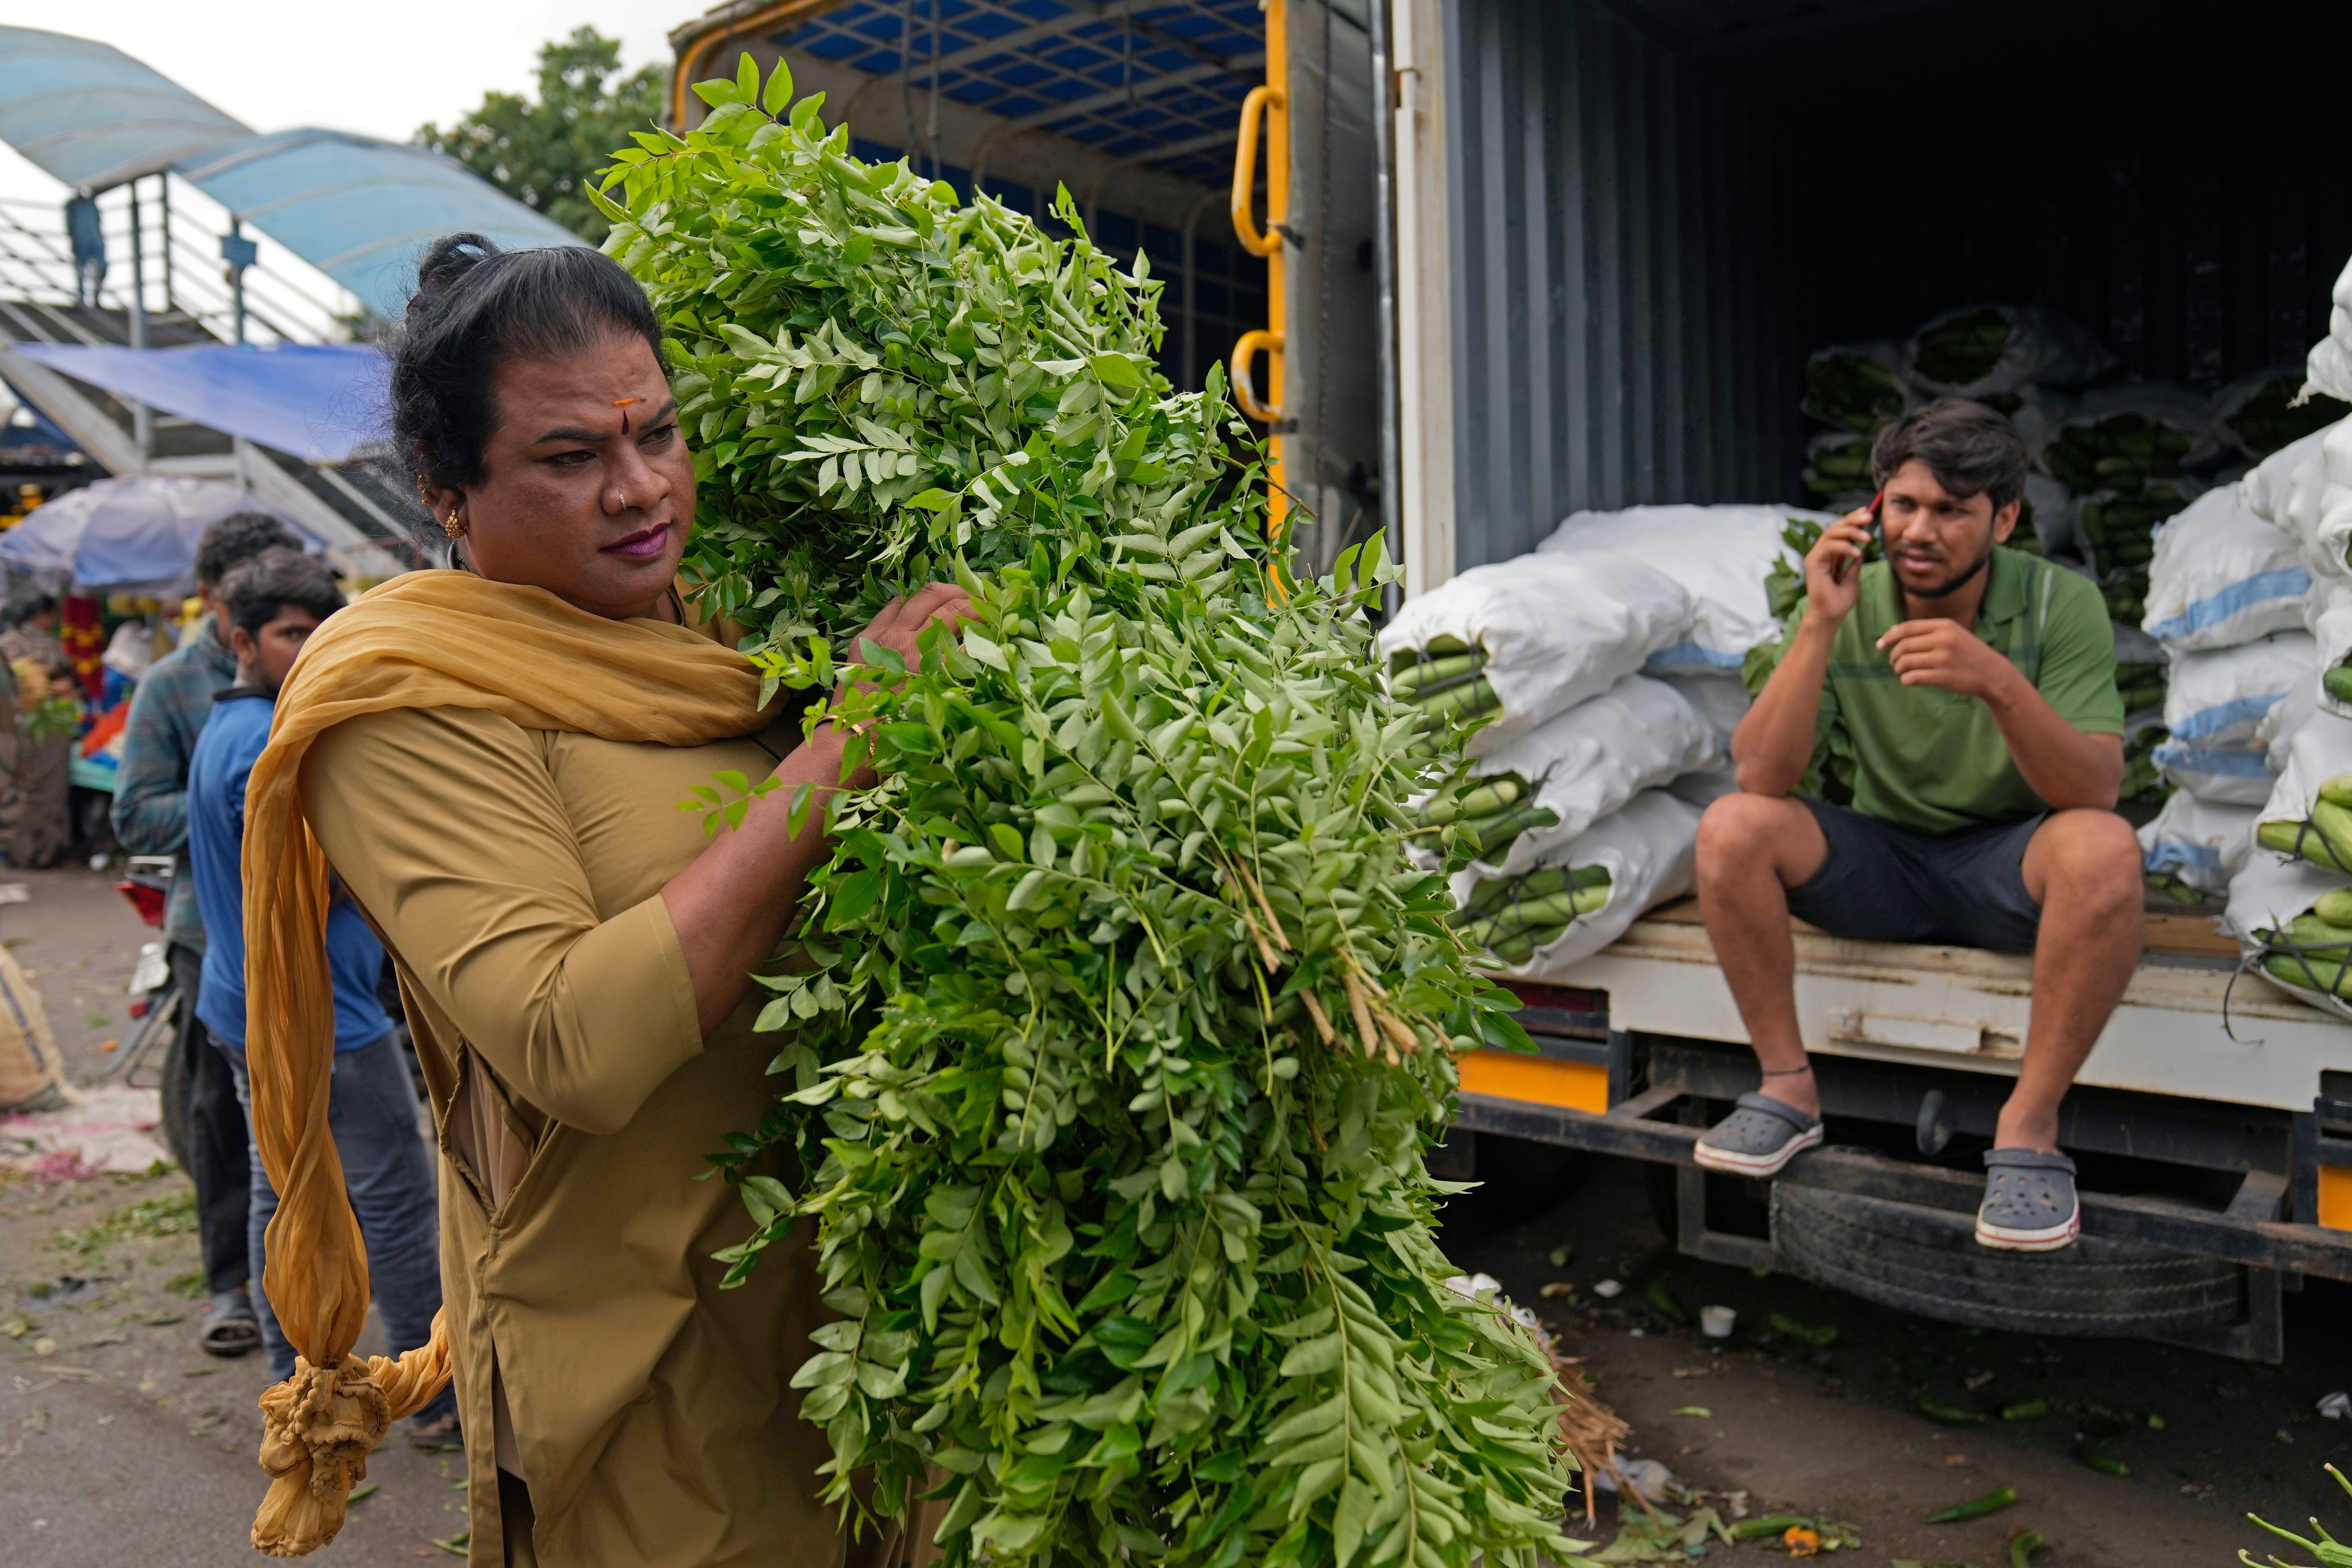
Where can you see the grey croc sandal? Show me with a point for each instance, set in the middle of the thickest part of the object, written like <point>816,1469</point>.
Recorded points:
<point>1758,1139</point>
<point>2029,1203</point>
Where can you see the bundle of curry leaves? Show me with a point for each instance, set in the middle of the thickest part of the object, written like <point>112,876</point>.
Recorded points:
<point>1117,1023</point>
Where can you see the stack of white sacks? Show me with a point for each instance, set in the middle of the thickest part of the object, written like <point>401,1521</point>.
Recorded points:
<point>2227,596</point>
<point>1614,651</point>
<point>2305,491</point>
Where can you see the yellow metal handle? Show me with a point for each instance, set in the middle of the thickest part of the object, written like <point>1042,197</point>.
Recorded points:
<point>1246,347</point>
<point>1253,240</point>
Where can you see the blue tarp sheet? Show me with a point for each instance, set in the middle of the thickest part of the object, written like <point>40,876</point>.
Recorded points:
<point>316,402</point>
<point>360,210</point>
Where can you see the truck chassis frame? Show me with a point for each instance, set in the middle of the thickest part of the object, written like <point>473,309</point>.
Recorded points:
<point>2253,1172</point>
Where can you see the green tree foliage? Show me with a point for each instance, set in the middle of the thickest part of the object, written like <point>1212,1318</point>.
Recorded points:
<point>1117,1024</point>
<point>546,153</point>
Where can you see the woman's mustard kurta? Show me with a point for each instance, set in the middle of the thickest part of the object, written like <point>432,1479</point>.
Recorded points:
<point>515,875</point>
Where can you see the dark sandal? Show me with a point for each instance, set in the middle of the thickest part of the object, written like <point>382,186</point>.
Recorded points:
<point>1758,1139</point>
<point>230,1330</point>
<point>442,1435</point>
<point>2029,1203</point>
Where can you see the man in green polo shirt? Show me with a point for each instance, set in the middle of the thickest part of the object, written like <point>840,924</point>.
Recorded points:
<point>1967,693</point>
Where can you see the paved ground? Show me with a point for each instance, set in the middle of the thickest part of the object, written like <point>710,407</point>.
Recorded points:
<point>121,1445</point>
<point>1836,1431</point>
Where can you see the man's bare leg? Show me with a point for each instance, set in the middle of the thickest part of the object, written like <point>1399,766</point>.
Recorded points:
<point>1752,849</point>
<point>2083,868</point>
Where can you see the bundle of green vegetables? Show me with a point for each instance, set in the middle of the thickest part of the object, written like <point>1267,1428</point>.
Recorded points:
<point>2140,775</point>
<point>1963,348</point>
<point>2120,525</point>
<point>2126,597</point>
<point>2141,682</point>
<point>1513,916</point>
<point>1838,466</point>
<point>2122,451</point>
<point>1442,683</point>
<point>1116,1026</point>
<point>1485,814</point>
<point>2325,837</point>
<point>2270,417</point>
<point>1854,388</point>
<point>2312,949</point>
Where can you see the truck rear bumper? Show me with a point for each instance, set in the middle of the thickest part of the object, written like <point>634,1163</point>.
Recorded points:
<point>2216,1177</point>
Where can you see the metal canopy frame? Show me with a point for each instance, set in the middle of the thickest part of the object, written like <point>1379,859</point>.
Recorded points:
<point>1156,82</point>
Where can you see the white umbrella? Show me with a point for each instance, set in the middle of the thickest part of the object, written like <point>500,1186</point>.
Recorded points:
<point>137,532</point>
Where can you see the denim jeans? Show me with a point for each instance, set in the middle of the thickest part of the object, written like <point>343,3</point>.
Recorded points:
<point>219,1154</point>
<point>388,1173</point>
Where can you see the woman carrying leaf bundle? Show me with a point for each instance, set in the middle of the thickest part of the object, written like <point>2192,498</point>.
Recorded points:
<point>491,758</point>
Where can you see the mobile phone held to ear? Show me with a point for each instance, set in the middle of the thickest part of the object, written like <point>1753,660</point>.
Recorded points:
<point>1877,533</point>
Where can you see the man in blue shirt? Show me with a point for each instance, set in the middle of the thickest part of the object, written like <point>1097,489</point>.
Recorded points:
<point>151,817</point>
<point>274,602</point>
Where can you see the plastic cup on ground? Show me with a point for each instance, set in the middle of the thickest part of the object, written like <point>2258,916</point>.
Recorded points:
<point>1716,1322</point>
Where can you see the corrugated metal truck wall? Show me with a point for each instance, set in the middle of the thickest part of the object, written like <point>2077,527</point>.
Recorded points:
<point>1626,328</point>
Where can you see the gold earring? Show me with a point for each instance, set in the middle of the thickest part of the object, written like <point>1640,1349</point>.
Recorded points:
<point>451,526</point>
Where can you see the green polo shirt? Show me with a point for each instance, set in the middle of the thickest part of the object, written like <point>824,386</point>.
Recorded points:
<point>1927,758</point>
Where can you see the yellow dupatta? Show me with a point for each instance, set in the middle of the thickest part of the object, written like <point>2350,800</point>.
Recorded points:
<point>430,639</point>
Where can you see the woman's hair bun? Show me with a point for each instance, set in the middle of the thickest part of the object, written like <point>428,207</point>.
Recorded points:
<point>447,261</point>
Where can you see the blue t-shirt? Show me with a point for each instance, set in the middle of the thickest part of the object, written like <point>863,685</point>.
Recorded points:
<point>225,755</point>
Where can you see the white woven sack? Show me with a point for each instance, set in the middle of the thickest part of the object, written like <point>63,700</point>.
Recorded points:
<point>2328,611</point>
<point>2202,844</point>
<point>2045,348</point>
<point>1721,553</point>
<point>2039,413</point>
<point>1721,699</point>
<point>2222,576</point>
<point>2279,725</point>
<point>1651,850</point>
<point>2217,699</point>
<point>2265,486</point>
<point>2225,775</point>
<point>2319,751</point>
<point>2329,544</point>
<point>1556,629</point>
<point>2329,367</point>
<point>2271,890</point>
<point>2289,488</point>
<point>2051,505</point>
<point>1587,762</point>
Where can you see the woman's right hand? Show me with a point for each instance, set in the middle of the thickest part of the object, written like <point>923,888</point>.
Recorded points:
<point>729,907</point>
<point>902,620</point>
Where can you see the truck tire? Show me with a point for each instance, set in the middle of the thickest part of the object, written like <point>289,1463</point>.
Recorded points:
<point>1926,1261</point>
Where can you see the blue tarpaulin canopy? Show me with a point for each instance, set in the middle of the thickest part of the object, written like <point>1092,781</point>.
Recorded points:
<point>93,117</point>
<point>319,403</point>
<point>360,210</point>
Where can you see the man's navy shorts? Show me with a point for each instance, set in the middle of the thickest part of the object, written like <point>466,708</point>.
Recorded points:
<point>1885,882</point>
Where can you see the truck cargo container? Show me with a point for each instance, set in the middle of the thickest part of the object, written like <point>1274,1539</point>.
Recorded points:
<point>1520,258</point>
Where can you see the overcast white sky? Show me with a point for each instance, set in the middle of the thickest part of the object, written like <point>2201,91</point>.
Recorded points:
<point>379,69</point>
<point>384,69</point>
